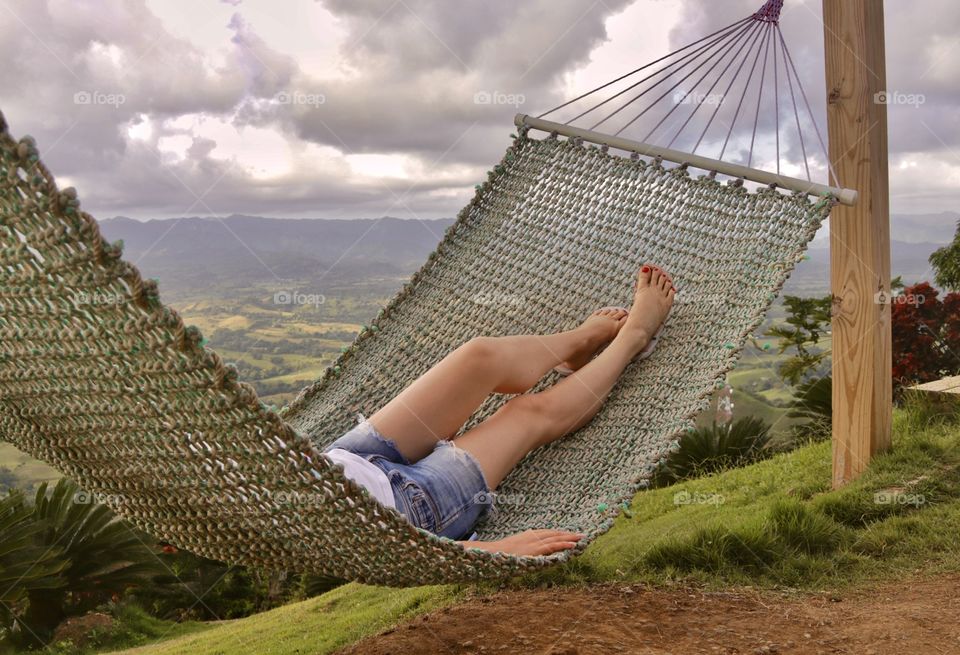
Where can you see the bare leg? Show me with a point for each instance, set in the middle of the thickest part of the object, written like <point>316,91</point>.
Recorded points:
<point>438,403</point>
<point>532,420</point>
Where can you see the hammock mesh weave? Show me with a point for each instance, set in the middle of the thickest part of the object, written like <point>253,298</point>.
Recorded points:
<point>102,381</point>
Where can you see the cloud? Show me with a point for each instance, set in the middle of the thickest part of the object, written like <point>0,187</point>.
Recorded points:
<point>157,109</point>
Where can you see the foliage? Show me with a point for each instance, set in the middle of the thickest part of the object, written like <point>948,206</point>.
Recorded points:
<point>24,563</point>
<point>716,447</point>
<point>200,589</point>
<point>926,334</point>
<point>100,556</point>
<point>946,263</point>
<point>813,405</point>
<point>808,319</point>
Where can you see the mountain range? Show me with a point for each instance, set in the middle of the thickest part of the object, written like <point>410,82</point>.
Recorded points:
<point>193,253</point>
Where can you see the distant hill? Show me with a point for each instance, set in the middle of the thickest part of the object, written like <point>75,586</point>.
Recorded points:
<point>194,254</point>
<point>242,251</point>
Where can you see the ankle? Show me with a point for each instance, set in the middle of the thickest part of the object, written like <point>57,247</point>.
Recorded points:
<point>634,338</point>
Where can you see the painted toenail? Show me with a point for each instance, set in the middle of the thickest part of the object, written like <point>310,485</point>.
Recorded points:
<point>645,269</point>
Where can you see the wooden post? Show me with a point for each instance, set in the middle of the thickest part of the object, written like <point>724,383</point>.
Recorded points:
<point>859,235</point>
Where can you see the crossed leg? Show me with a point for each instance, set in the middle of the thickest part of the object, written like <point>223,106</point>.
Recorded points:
<point>436,405</point>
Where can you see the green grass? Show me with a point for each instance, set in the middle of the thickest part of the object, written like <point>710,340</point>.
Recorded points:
<point>319,625</point>
<point>778,523</point>
<point>775,524</point>
<point>132,627</point>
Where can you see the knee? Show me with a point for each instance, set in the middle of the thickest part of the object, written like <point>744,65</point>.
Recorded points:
<point>479,351</point>
<point>538,413</point>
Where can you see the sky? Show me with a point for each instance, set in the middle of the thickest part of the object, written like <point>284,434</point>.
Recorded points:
<point>367,108</point>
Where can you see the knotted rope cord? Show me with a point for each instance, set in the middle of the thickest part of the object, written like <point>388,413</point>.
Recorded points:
<point>746,87</point>
<point>720,47</point>
<point>726,92</point>
<point>756,115</point>
<point>803,94</point>
<point>752,36</point>
<point>691,56</point>
<point>644,67</point>
<point>742,39</point>
<point>745,48</point>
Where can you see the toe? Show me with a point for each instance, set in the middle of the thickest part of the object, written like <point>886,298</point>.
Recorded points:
<point>645,276</point>
<point>656,277</point>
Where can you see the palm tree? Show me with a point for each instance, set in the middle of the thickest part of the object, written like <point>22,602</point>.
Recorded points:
<point>103,555</point>
<point>24,564</point>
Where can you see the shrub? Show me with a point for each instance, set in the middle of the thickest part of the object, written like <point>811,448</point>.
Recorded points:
<point>719,446</point>
<point>813,404</point>
<point>926,335</point>
<point>101,556</point>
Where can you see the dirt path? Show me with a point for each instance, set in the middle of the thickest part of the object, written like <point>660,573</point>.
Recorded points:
<point>920,616</point>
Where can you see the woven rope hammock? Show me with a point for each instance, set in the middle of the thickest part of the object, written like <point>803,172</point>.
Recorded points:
<point>101,380</point>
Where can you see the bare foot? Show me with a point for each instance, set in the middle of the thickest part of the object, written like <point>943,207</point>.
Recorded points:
<point>651,303</point>
<point>599,329</point>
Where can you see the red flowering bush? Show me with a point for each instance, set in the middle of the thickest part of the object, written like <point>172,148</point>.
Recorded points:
<point>926,334</point>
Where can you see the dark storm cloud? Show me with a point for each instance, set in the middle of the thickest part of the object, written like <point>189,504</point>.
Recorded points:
<point>438,82</point>
<point>417,69</point>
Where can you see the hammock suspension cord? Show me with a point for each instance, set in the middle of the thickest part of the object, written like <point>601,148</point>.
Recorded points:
<point>757,39</point>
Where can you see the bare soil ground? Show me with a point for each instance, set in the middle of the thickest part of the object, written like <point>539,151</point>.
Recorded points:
<point>915,616</point>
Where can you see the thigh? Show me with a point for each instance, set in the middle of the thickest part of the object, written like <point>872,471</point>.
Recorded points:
<point>436,405</point>
<point>364,439</point>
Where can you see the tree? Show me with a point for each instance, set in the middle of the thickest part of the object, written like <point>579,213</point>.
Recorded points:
<point>926,335</point>
<point>808,319</point>
<point>24,563</point>
<point>102,556</point>
<point>946,263</point>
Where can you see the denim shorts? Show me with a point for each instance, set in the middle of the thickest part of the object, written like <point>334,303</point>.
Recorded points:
<point>444,493</point>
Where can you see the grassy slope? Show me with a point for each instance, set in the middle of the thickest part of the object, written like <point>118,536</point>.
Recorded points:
<point>774,524</point>
<point>318,625</point>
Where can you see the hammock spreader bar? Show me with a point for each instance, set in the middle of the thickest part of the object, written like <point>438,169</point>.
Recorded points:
<point>844,196</point>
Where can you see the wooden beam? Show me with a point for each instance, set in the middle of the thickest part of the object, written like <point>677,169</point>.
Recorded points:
<point>859,235</point>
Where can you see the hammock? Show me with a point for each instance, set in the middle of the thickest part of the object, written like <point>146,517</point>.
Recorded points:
<point>104,382</point>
